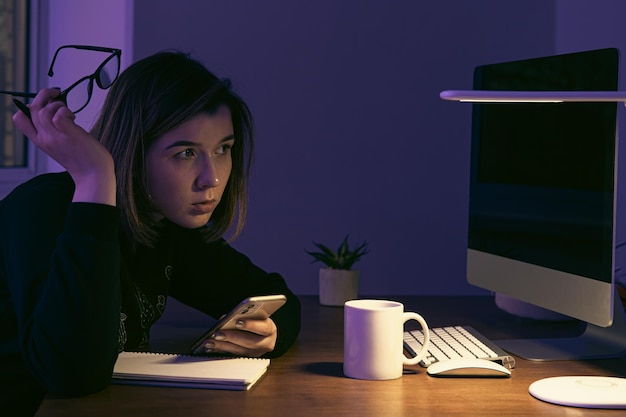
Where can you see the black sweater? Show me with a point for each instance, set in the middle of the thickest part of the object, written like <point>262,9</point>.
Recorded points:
<point>73,292</point>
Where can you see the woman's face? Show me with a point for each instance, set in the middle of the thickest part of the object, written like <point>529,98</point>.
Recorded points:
<point>189,166</point>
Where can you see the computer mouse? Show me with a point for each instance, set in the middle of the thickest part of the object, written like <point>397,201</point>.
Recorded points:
<point>468,367</point>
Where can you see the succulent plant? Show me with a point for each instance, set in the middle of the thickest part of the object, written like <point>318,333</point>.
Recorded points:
<point>342,258</point>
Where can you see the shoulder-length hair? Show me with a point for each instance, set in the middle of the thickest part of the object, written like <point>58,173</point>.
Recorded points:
<point>150,98</point>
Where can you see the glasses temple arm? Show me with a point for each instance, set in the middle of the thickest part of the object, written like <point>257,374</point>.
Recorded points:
<point>18,94</point>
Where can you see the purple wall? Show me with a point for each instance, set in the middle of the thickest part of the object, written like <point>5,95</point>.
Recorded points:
<point>352,137</point>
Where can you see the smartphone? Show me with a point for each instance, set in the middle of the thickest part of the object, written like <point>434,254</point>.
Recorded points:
<point>258,308</point>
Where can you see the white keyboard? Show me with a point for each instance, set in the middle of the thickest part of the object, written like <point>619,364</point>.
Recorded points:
<point>455,342</point>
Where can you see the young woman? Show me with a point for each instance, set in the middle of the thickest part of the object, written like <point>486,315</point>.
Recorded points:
<point>89,256</point>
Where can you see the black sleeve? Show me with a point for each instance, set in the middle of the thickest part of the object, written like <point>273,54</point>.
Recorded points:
<point>214,278</point>
<point>60,262</point>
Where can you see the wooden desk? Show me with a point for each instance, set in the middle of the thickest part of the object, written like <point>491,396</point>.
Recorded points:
<point>309,379</point>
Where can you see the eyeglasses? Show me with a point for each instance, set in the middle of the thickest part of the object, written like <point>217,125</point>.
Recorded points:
<point>78,95</point>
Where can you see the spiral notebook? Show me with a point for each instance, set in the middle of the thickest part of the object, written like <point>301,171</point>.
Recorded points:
<point>173,370</point>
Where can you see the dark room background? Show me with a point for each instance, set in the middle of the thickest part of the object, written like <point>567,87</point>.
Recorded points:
<point>352,137</point>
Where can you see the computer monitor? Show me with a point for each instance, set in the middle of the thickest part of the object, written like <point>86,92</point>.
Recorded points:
<point>543,199</point>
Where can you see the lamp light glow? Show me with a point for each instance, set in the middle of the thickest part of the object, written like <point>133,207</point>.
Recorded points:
<point>494,96</point>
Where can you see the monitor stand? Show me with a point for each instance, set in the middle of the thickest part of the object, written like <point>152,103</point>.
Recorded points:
<point>594,343</point>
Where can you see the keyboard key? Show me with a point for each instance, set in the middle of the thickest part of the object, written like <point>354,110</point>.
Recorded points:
<point>451,342</point>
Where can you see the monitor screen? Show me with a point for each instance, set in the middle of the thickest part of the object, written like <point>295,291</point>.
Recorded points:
<point>543,186</point>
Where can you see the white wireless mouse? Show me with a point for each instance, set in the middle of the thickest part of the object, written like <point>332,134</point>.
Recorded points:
<point>468,367</point>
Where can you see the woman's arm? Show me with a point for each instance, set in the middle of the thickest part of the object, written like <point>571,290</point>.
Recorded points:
<point>214,278</point>
<point>61,266</point>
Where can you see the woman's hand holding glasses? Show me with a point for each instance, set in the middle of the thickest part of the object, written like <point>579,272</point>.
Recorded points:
<point>49,123</point>
<point>51,128</point>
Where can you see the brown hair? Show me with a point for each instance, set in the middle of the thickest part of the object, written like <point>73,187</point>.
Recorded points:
<point>151,97</point>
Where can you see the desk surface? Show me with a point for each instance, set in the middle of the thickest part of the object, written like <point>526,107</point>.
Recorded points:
<point>309,379</point>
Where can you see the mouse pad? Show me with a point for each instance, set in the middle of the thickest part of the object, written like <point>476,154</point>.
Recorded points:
<point>581,391</point>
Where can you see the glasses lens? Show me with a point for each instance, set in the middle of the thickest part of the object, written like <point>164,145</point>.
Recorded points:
<point>108,72</point>
<point>78,96</point>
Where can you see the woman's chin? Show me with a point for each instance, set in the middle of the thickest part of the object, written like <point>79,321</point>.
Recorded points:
<point>192,222</point>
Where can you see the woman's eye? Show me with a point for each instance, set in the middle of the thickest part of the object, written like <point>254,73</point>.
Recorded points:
<point>224,149</point>
<point>186,154</point>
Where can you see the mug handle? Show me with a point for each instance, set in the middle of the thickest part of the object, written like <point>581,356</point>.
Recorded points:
<point>420,355</point>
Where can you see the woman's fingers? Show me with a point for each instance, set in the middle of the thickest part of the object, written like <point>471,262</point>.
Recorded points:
<point>23,122</point>
<point>35,120</point>
<point>52,129</point>
<point>255,338</point>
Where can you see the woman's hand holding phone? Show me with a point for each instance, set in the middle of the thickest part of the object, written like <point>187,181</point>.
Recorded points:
<point>247,330</point>
<point>251,338</point>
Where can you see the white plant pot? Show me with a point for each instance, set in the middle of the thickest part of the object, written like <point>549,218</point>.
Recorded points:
<point>338,286</point>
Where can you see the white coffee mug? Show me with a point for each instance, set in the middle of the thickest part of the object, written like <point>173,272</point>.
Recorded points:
<point>373,338</point>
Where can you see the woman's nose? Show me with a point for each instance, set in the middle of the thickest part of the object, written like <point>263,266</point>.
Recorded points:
<point>208,176</point>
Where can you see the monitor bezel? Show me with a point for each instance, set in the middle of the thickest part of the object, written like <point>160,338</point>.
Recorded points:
<point>581,297</point>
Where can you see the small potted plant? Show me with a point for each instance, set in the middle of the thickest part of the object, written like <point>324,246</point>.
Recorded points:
<point>338,283</point>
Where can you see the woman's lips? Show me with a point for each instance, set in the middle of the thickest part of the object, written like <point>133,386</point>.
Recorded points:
<point>204,207</point>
